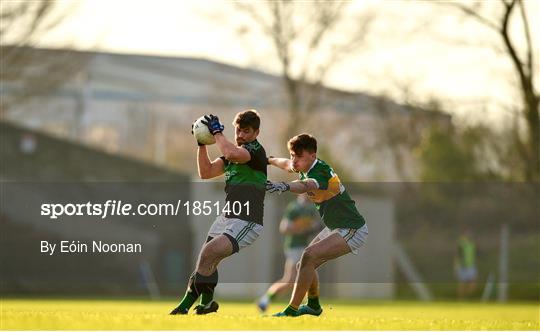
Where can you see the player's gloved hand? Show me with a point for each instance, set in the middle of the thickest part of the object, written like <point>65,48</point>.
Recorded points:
<point>213,124</point>
<point>268,160</point>
<point>198,143</point>
<point>279,187</point>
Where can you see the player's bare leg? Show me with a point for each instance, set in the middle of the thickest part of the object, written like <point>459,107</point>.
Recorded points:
<point>461,290</point>
<point>314,256</point>
<point>280,286</point>
<point>313,290</point>
<point>212,253</point>
<point>287,281</point>
<point>471,287</point>
<point>289,277</point>
<point>468,289</point>
<point>313,306</point>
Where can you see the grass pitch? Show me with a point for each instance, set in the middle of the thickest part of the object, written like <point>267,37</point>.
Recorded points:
<point>55,314</point>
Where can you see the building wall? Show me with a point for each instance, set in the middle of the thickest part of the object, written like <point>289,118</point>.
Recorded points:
<point>39,169</point>
<point>143,106</point>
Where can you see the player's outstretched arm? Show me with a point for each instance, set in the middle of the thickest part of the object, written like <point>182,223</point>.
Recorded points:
<point>303,186</point>
<point>297,187</point>
<point>283,163</point>
<point>208,169</point>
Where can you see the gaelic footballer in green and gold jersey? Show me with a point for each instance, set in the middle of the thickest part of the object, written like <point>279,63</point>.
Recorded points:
<point>346,230</point>
<point>298,223</point>
<point>244,164</point>
<point>465,266</point>
<point>336,208</point>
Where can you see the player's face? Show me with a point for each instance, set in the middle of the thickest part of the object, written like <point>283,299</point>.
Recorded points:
<point>245,135</point>
<point>302,162</point>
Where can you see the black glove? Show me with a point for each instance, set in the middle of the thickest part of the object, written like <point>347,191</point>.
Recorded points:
<point>279,187</point>
<point>213,124</point>
<point>199,144</point>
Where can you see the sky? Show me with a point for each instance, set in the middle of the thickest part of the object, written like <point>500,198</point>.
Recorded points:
<point>412,46</point>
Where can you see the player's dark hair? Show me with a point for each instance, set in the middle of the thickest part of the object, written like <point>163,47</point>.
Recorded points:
<point>302,142</point>
<point>248,118</point>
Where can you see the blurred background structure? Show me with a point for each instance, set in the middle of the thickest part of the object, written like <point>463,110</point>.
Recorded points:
<point>428,111</point>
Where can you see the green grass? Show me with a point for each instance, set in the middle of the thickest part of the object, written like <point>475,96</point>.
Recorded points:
<point>60,314</point>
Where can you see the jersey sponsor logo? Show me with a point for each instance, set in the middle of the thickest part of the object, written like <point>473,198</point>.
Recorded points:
<point>252,146</point>
<point>230,174</point>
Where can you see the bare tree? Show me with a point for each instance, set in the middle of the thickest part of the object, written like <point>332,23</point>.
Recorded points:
<point>26,71</point>
<point>303,35</point>
<point>522,59</point>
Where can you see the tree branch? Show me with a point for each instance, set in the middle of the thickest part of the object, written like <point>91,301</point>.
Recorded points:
<point>327,17</point>
<point>471,12</point>
<point>510,46</point>
<point>526,28</point>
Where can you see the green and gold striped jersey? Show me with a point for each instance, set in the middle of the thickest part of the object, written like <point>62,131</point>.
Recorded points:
<point>336,208</point>
<point>304,214</point>
<point>466,252</point>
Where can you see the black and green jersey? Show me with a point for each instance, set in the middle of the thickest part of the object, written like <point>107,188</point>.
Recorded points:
<point>336,208</point>
<point>245,184</point>
<point>299,213</point>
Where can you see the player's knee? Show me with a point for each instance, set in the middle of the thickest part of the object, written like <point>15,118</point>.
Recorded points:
<point>290,280</point>
<point>208,262</point>
<point>287,278</point>
<point>292,276</point>
<point>205,260</point>
<point>308,258</point>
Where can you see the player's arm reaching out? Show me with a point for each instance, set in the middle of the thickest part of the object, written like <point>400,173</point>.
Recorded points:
<point>283,163</point>
<point>297,187</point>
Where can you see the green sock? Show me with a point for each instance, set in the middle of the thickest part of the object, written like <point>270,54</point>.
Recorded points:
<point>207,298</point>
<point>313,302</point>
<point>291,311</point>
<point>187,301</point>
<point>271,296</point>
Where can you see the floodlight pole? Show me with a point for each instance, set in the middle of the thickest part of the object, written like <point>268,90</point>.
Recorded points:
<point>503,265</point>
<point>82,100</point>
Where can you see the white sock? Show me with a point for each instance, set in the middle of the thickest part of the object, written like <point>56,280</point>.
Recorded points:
<point>264,299</point>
